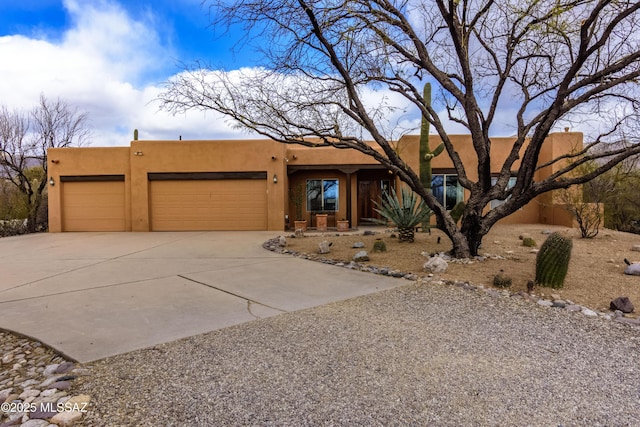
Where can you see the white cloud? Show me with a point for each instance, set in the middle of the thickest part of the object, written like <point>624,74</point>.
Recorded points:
<point>108,64</point>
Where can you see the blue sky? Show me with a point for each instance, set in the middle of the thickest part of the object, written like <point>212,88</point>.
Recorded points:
<point>109,58</point>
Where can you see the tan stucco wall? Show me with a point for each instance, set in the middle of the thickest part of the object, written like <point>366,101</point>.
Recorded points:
<point>143,157</point>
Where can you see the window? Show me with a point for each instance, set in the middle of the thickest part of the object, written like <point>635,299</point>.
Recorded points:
<point>512,182</point>
<point>322,195</point>
<point>447,190</point>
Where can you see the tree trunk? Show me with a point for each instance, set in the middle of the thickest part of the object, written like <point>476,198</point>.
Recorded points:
<point>458,239</point>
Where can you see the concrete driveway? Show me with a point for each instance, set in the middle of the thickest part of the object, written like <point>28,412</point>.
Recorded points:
<point>93,295</point>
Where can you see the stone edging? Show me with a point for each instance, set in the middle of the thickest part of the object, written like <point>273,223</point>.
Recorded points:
<point>274,245</point>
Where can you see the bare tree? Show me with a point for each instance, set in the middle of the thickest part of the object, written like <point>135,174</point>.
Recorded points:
<point>552,61</point>
<point>24,140</point>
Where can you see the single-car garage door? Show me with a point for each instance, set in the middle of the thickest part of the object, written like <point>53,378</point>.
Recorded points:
<point>208,204</point>
<point>93,205</point>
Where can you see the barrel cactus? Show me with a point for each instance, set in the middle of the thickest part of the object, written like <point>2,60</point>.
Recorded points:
<point>552,262</point>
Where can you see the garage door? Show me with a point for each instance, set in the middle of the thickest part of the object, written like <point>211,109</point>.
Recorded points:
<point>227,204</point>
<point>93,205</point>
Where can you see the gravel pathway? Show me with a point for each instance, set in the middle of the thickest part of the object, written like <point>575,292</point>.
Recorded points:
<point>422,354</point>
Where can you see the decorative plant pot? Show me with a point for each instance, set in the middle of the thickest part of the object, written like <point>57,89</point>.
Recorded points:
<point>321,222</point>
<point>343,225</point>
<point>300,225</point>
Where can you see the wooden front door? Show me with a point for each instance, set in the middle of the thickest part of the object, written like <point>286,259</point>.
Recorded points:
<point>370,189</point>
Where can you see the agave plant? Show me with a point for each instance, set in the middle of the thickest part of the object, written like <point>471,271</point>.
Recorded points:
<point>406,212</point>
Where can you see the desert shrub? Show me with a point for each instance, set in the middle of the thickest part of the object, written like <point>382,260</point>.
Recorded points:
<point>529,242</point>
<point>552,262</point>
<point>13,227</point>
<point>379,246</point>
<point>405,212</point>
<point>500,280</point>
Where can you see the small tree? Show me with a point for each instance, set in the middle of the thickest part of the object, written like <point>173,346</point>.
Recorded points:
<point>587,213</point>
<point>24,140</point>
<point>589,216</point>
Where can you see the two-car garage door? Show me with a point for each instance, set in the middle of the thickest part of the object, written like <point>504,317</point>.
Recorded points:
<point>208,205</point>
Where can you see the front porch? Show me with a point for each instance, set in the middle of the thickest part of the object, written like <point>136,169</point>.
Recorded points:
<point>341,193</point>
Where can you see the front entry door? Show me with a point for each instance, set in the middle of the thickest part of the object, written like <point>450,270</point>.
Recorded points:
<point>370,190</point>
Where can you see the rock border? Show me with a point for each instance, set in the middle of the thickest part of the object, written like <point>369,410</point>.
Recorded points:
<point>276,245</point>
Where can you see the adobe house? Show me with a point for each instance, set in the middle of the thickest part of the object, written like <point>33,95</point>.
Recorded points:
<point>246,184</point>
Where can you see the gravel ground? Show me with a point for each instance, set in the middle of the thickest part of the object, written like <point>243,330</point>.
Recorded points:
<point>422,354</point>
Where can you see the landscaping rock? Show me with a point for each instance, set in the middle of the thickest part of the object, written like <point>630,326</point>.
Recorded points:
<point>358,245</point>
<point>361,256</point>
<point>635,248</point>
<point>623,304</point>
<point>299,233</point>
<point>633,269</point>
<point>435,265</point>
<point>4,394</point>
<point>324,247</point>
<point>35,423</point>
<point>66,418</point>
<point>282,241</point>
<point>627,321</point>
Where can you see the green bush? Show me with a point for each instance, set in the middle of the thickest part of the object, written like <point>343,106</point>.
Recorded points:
<point>501,281</point>
<point>529,242</point>
<point>379,246</point>
<point>552,262</point>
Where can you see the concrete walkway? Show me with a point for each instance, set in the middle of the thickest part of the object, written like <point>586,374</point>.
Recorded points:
<point>93,295</point>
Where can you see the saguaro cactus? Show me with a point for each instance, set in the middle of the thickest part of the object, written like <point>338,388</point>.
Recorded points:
<point>135,134</point>
<point>552,262</point>
<point>425,151</point>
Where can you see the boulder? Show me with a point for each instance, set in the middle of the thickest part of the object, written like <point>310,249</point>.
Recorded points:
<point>282,241</point>
<point>435,265</point>
<point>633,269</point>
<point>623,304</point>
<point>358,245</point>
<point>361,256</point>
<point>324,247</point>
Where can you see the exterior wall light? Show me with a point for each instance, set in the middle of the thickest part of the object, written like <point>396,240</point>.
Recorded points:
<point>52,182</point>
<point>275,178</point>
<point>138,153</point>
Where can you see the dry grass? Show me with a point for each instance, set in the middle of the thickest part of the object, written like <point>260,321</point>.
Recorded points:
<point>595,272</point>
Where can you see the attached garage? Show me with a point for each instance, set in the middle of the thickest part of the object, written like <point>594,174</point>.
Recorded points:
<point>93,203</point>
<point>208,201</point>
